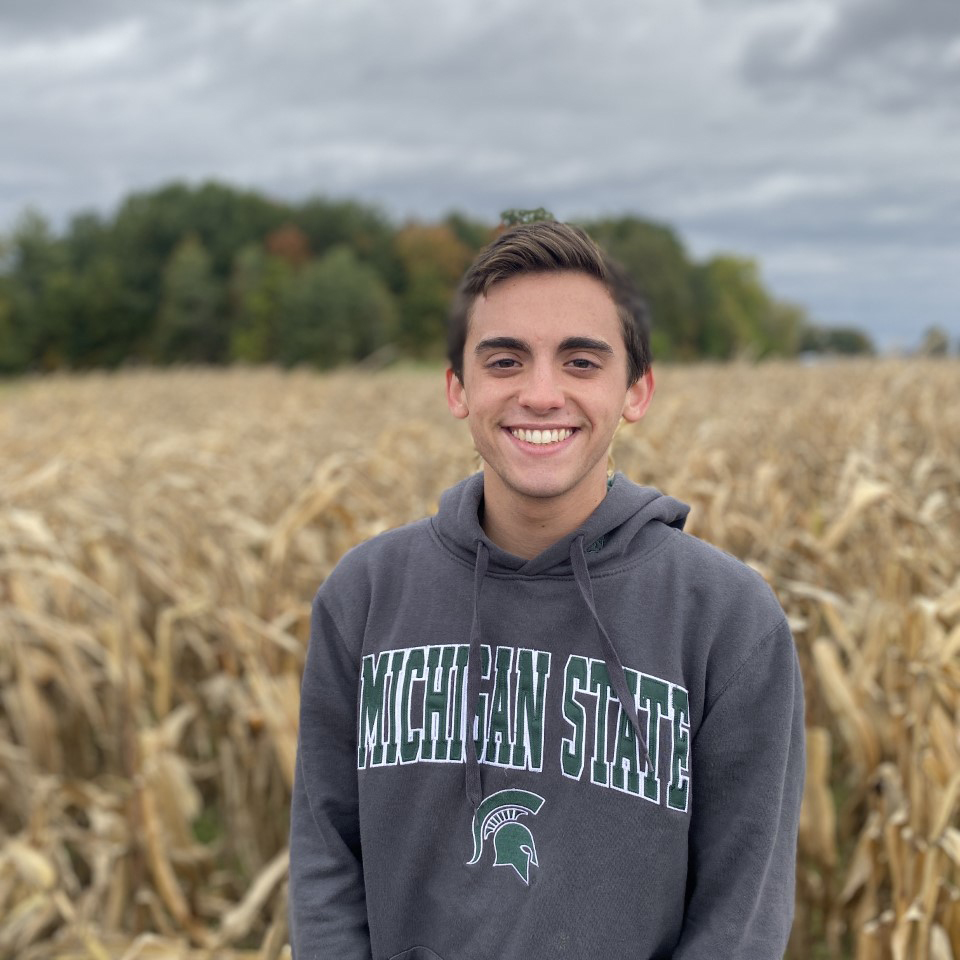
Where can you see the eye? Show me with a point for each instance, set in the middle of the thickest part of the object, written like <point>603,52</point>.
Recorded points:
<point>582,363</point>
<point>502,363</point>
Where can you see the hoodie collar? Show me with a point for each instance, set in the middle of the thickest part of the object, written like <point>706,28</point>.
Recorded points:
<point>620,527</point>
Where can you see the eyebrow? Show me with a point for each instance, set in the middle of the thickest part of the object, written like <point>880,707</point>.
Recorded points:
<point>586,343</point>
<point>521,346</point>
<point>502,343</point>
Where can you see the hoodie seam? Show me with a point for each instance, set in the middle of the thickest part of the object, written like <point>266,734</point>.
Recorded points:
<point>739,668</point>
<point>635,561</point>
<point>319,601</point>
<point>445,549</point>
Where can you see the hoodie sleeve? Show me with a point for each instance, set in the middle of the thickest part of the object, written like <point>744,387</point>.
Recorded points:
<point>328,910</point>
<point>748,769</point>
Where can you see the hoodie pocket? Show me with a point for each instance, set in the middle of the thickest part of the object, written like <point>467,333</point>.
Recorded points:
<point>416,953</point>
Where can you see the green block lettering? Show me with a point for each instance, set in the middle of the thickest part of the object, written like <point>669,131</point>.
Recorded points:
<point>653,699</point>
<point>498,736</point>
<point>459,688</point>
<point>371,731</point>
<point>410,736</point>
<point>436,704</point>
<point>626,760</point>
<point>677,793</point>
<point>394,692</point>
<point>533,669</point>
<point>572,748</point>
<point>600,685</point>
<point>480,720</point>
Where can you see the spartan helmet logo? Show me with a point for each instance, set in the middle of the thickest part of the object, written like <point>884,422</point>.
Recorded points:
<point>512,841</point>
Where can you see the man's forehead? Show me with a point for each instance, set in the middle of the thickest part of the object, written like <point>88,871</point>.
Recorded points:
<point>560,304</point>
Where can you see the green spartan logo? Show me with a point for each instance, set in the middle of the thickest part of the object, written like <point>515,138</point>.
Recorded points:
<point>513,843</point>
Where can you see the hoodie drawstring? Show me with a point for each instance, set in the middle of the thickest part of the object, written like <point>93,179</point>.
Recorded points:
<point>474,787</point>
<point>614,667</point>
<point>618,679</point>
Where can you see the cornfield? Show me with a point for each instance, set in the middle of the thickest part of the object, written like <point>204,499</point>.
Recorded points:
<point>162,535</point>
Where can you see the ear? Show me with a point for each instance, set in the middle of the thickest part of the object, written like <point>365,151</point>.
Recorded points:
<point>456,396</point>
<point>638,398</point>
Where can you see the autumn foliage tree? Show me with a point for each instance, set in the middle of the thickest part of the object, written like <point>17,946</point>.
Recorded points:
<point>433,260</point>
<point>289,244</point>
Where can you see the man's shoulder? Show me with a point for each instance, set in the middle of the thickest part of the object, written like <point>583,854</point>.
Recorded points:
<point>715,562</point>
<point>731,614</point>
<point>716,577</point>
<point>378,556</point>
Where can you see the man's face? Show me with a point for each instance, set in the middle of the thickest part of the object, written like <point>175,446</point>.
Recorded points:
<point>545,352</point>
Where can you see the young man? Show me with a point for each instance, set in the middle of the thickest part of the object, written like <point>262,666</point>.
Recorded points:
<point>545,722</point>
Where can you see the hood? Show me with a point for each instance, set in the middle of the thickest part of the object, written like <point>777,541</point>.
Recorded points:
<point>622,526</point>
<point>629,521</point>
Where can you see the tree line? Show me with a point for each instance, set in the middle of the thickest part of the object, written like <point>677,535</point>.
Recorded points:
<point>214,274</point>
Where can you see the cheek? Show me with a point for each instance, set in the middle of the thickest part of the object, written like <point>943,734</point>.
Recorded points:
<point>485,399</point>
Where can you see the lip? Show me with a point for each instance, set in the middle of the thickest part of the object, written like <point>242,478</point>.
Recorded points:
<point>540,426</point>
<point>540,449</point>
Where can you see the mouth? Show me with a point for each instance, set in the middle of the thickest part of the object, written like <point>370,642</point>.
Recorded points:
<point>541,438</point>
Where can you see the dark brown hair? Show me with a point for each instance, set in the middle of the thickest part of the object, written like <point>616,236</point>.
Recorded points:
<point>545,247</point>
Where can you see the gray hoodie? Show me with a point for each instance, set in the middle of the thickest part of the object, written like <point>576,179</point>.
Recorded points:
<point>631,783</point>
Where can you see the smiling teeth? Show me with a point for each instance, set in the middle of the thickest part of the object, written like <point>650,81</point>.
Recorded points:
<point>542,436</point>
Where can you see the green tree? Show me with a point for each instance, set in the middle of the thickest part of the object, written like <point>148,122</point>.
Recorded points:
<point>656,260</point>
<point>730,304</point>
<point>473,234</point>
<point>34,252</point>
<point>103,332</point>
<point>738,315</point>
<point>363,228</point>
<point>935,342</point>
<point>37,303</point>
<point>88,238</point>
<point>334,310</point>
<point>14,356</point>
<point>841,340</point>
<point>13,349</point>
<point>781,328</point>
<point>149,226</point>
<point>257,291</point>
<point>513,216</point>
<point>433,260</point>
<point>189,326</point>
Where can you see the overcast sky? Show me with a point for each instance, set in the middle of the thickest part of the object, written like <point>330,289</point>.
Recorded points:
<point>820,136</point>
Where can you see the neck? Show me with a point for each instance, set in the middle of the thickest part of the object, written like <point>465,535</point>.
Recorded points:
<point>526,526</point>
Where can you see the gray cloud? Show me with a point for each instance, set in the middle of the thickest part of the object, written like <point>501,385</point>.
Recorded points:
<point>26,20</point>
<point>894,55</point>
<point>717,118</point>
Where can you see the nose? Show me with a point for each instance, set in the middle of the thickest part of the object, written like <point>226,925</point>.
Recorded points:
<point>540,390</point>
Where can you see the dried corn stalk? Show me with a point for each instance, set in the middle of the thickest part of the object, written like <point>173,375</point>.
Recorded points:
<point>162,534</point>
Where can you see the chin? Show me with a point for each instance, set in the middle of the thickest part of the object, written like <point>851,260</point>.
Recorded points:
<point>540,491</point>
<point>539,488</point>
